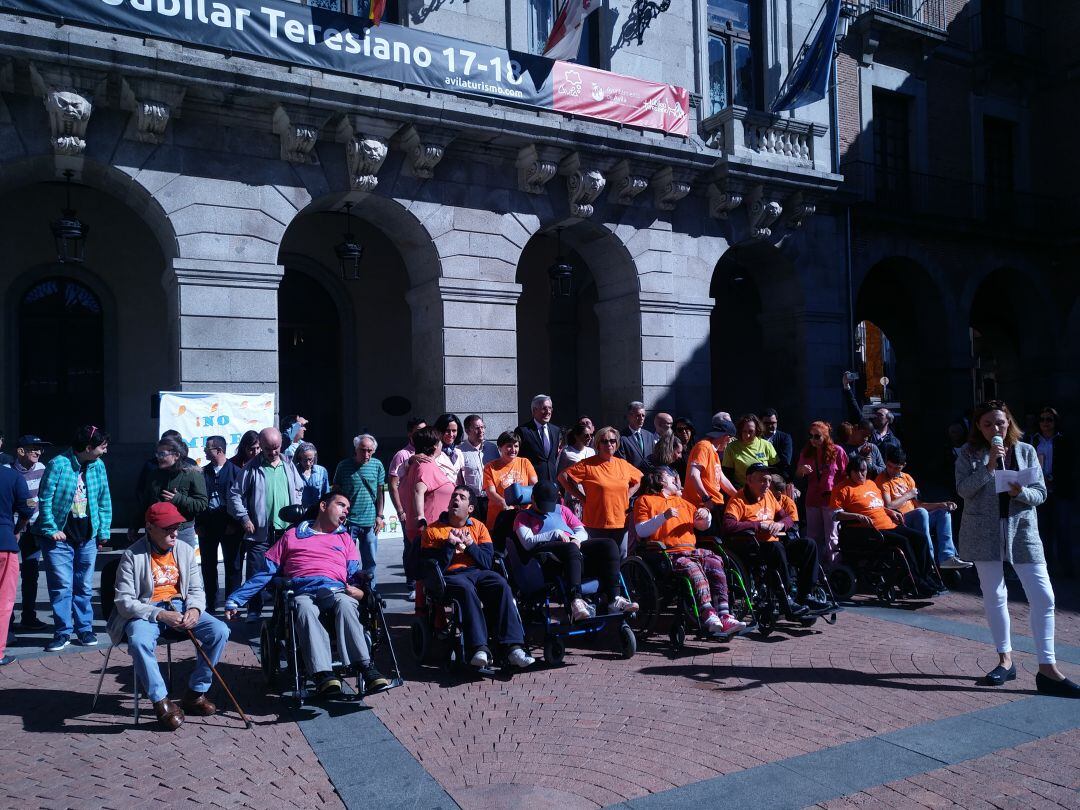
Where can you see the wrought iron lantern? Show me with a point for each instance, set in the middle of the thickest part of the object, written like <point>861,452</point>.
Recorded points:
<point>68,231</point>
<point>349,253</point>
<point>560,274</point>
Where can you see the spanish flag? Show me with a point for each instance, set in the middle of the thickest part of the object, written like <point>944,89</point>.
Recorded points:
<point>375,11</point>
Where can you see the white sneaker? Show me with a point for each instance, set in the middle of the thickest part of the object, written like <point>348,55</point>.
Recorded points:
<point>480,659</point>
<point>411,596</point>
<point>519,658</point>
<point>953,563</point>
<point>623,605</point>
<point>579,610</point>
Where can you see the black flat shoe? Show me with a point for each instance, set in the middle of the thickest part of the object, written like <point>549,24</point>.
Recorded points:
<point>998,675</point>
<point>1048,686</point>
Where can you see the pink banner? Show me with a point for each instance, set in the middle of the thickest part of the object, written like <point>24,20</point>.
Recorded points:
<point>598,94</point>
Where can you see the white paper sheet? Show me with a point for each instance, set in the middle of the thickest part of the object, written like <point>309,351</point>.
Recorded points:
<point>1025,478</point>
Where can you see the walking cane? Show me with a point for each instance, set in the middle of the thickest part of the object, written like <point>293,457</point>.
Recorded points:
<point>221,680</point>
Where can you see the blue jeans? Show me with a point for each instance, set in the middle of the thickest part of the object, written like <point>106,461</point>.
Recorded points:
<point>940,521</point>
<point>368,542</point>
<point>69,572</point>
<point>142,638</point>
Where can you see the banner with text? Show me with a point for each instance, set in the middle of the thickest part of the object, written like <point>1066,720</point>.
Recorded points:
<point>288,32</point>
<point>198,416</point>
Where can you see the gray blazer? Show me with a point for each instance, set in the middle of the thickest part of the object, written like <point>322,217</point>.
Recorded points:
<point>135,586</point>
<point>247,496</point>
<point>980,527</point>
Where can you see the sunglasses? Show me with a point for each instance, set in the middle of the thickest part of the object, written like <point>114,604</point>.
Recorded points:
<point>609,441</point>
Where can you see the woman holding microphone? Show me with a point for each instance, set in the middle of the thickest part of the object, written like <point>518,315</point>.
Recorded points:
<point>999,527</point>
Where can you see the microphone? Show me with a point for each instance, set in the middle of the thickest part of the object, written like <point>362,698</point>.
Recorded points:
<point>997,441</point>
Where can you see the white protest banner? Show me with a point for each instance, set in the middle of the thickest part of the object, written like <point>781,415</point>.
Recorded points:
<point>393,529</point>
<point>197,416</point>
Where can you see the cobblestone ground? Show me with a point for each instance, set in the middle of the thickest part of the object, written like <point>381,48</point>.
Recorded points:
<point>597,731</point>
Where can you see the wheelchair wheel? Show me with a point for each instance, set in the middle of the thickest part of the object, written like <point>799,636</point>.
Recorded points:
<point>420,638</point>
<point>843,581</point>
<point>740,599</point>
<point>627,641</point>
<point>677,636</point>
<point>269,655</point>
<point>808,621</point>
<point>555,651</point>
<point>642,589</point>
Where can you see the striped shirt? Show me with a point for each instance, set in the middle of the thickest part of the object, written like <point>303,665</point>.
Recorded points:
<point>358,482</point>
<point>32,477</point>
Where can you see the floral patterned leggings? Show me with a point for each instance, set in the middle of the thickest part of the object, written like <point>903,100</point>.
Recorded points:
<point>706,572</point>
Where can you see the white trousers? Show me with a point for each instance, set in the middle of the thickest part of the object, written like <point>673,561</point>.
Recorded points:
<point>1040,596</point>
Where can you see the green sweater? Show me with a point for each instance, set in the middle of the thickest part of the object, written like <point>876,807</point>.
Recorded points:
<point>188,483</point>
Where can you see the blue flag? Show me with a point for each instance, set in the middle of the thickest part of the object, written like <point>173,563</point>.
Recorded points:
<point>809,79</point>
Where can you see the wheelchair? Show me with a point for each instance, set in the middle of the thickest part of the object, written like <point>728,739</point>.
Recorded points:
<point>654,584</point>
<point>535,589</point>
<point>283,664</point>
<point>768,597</point>
<point>873,568</point>
<point>279,652</point>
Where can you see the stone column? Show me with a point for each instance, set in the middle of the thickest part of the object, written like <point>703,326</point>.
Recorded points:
<point>692,372</point>
<point>226,320</point>
<point>623,351</point>
<point>465,349</point>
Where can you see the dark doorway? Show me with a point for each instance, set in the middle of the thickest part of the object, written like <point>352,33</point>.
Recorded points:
<point>61,359</point>
<point>736,337</point>
<point>309,362</point>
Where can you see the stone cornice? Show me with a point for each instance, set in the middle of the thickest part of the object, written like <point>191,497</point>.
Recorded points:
<point>203,273</point>
<point>464,290</point>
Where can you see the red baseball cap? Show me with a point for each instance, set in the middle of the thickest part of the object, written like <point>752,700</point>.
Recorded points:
<point>164,515</point>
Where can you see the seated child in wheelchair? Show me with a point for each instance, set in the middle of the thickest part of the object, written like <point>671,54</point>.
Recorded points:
<point>320,561</point>
<point>756,521</point>
<point>462,549</point>
<point>663,515</point>
<point>860,508</point>
<point>547,526</point>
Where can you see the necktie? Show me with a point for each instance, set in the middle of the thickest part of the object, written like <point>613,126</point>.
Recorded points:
<point>641,442</point>
<point>547,441</point>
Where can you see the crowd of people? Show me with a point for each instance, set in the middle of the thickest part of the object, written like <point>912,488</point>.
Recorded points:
<point>583,496</point>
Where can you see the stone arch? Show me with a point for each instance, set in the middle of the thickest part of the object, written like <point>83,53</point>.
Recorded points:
<point>932,382</point>
<point>586,351</point>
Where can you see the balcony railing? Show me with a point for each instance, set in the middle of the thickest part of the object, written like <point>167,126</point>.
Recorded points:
<point>1001,37</point>
<point>913,195</point>
<point>928,13</point>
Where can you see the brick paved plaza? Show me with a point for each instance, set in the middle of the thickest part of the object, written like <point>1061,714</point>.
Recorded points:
<point>879,710</point>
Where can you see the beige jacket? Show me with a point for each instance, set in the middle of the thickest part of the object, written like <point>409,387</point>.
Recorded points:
<point>135,586</point>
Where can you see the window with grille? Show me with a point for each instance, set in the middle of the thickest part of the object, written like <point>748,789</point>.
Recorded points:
<point>892,146</point>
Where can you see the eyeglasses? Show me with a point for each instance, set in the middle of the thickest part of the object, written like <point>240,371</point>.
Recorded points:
<point>816,437</point>
<point>164,454</point>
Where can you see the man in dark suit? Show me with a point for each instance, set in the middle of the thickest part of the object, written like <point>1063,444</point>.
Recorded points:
<point>783,442</point>
<point>540,440</point>
<point>637,443</point>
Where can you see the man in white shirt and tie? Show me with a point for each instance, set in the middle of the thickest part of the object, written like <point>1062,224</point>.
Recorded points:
<point>540,440</point>
<point>637,443</point>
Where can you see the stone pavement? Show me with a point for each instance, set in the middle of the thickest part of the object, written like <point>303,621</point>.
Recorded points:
<point>879,710</point>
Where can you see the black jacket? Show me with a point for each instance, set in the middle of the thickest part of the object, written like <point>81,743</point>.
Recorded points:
<point>630,451</point>
<point>532,448</point>
<point>785,447</point>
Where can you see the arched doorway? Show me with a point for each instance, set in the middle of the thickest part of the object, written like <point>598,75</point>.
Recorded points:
<point>61,358</point>
<point>309,359</point>
<point>558,338</point>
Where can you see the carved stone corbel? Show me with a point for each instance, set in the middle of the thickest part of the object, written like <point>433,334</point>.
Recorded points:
<point>68,99</point>
<point>625,184</point>
<point>152,105</point>
<point>298,129</point>
<point>798,209</point>
<point>584,183</point>
<point>669,188</point>
<point>762,212</point>
<point>722,200</point>
<point>423,149</point>
<point>536,166</point>
<point>364,157</point>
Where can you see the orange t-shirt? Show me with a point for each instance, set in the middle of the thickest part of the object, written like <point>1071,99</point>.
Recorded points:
<point>705,456</point>
<point>677,533</point>
<point>765,508</point>
<point>788,506</point>
<point>864,499</point>
<point>437,535</point>
<point>893,488</point>
<point>499,475</point>
<point>166,577</point>
<point>607,490</point>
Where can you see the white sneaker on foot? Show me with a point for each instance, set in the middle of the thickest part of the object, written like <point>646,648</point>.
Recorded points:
<point>579,610</point>
<point>623,605</point>
<point>519,658</point>
<point>953,563</point>
<point>480,659</point>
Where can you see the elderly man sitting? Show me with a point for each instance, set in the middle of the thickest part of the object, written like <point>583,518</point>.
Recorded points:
<point>320,559</point>
<point>159,584</point>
